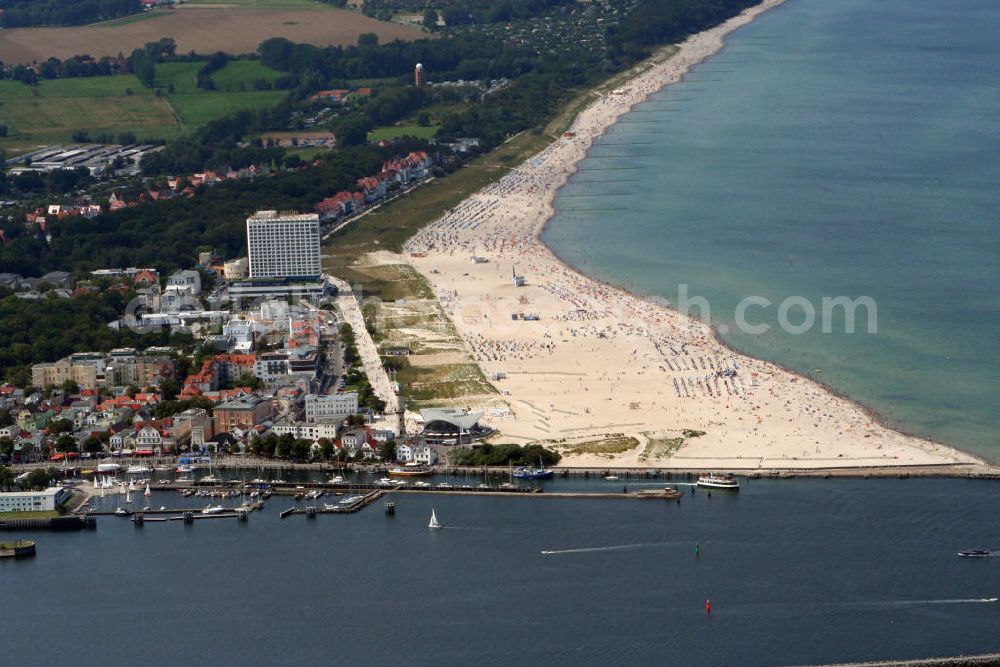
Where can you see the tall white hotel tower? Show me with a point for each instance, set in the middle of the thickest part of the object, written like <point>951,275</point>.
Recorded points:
<point>283,245</point>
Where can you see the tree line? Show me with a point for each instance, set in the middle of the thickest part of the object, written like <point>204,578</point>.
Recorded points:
<point>22,13</point>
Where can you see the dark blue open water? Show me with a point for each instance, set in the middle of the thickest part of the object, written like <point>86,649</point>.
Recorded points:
<point>834,148</point>
<point>798,571</point>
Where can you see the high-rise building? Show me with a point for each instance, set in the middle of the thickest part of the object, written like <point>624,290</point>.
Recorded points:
<point>283,245</point>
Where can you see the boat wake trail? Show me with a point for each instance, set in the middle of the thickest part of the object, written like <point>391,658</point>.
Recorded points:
<point>906,603</point>
<point>619,547</point>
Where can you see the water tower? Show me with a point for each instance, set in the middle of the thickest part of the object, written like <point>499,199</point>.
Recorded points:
<point>418,75</point>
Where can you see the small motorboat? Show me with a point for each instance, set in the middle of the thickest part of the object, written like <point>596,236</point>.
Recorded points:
<point>975,553</point>
<point>217,509</point>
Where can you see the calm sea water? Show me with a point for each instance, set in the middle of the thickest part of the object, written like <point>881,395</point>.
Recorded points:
<point>797,572</point>
<point>833,148</point>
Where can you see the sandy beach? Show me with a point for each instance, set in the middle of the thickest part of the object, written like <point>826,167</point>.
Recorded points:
<point>600,366</point>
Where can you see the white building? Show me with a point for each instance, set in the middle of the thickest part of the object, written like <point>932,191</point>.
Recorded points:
<point>185,281</point>
<point>33,501</point>
<point>148,438</point>
<point>302,430</point>
<point>240,332</point>
<point>331,407</point>
<point>283,245</point>
<point>422,454</point>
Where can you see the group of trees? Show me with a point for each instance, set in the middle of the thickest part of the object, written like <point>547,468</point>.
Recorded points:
<point>504,455</point>
<point>55,182</point>
<point>21,13</point>
<point>48,329</point>
<point>464,56</point>
<point>142,62</point>
<point>37,479</point>
<point>53,68</point>
<point>285,446</point>
<point>214,63</point>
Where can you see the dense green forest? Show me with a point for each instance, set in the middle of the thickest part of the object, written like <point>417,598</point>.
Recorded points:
<point>656,22</point>
<point>47,329</point>
<point>20,13</point>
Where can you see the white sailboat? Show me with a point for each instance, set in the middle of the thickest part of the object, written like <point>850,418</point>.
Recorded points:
<point>97,484</point>
<point>128,497</point>
<point>434,520</point>
<point>147,492</point>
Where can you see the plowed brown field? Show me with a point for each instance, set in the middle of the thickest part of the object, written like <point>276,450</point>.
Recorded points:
<point>205,29</point>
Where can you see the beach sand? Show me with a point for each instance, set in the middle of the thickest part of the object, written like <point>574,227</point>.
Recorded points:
<point>599,361</point>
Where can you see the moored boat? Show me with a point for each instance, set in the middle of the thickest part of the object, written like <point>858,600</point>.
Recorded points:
<point>527,472</point>
<point>17,549</point>
<point>719,481</point>
<point>410,470</point>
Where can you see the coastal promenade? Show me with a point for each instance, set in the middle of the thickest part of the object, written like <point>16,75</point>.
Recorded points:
<point>594,362</point>
<point>350,311</point>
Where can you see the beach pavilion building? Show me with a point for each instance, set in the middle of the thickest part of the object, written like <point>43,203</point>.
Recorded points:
<point>451,426</point>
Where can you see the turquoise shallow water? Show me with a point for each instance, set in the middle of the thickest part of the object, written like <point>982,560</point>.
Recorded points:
<point>847,148</point>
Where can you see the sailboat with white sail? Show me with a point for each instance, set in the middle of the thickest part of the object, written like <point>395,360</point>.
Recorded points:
<point>434,521</point>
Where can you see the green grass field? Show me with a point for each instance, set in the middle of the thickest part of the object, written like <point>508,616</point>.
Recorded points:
<point>310,153</point>
<point>393,131</point>
<point>199,108</point>
<point>55,109</point>
<point>49,514</point>
<point>245,72</point>
<point>181,75</point>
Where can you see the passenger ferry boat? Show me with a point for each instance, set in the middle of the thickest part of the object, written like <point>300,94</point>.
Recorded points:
<point>719,481</point>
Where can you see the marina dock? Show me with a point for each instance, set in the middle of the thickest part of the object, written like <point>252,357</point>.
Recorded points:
<point>345,508</point>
